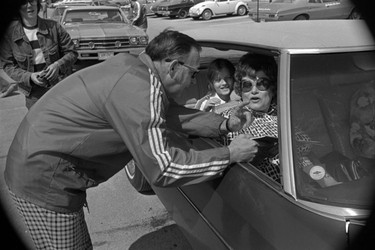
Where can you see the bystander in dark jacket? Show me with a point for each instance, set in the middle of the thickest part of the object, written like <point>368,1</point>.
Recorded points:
<point>36,53</point>
<point>139,15</point>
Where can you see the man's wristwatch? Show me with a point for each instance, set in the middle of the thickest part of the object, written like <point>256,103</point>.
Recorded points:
<point>224,127</point>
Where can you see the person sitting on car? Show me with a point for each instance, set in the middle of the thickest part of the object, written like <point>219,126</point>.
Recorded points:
<point>220,74</point>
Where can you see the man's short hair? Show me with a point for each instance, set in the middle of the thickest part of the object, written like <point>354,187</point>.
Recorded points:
<point>171,44</point>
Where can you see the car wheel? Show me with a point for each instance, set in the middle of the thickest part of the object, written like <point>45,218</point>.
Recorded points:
<point>137,179</point>
<point>182,14</point>
<point>241,10</point>
<point>355,14</point>
<point>207,14</point>
<point>301,17</point>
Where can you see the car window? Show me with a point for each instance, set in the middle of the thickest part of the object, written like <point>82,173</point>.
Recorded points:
<point>92,16</point>
<point>315,1</point>
<point>333,117</point>
<point>269,169</point>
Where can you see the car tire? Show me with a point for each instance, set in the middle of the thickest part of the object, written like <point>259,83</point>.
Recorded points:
<point>207,14</point>
<point>355,15</point>
<point>301,17</point>
<point>183,14</point>
<point>136,178</point>
<point>241,10</point>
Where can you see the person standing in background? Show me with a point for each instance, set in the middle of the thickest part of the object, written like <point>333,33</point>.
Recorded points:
<point>44,8</point>
<point>139,17</point>
<point>36,53</point>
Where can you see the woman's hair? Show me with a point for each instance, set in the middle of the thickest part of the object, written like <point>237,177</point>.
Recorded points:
<point>255,62</point>
<point>170,44</point>
<point>213,70</point>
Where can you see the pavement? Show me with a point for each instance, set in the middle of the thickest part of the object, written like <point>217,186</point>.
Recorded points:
<point>12,111</point>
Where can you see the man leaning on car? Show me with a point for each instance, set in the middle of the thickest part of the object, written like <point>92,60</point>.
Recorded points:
<point>82,132</point>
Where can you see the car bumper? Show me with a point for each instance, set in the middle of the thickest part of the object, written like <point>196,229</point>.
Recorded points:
<point>102,55</point>
<point>264,17</point>
<point>194,14</point>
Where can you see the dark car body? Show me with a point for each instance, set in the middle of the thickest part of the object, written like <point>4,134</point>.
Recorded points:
<point>176,8</point>
<point>326,72</point>
<point>281,10</point>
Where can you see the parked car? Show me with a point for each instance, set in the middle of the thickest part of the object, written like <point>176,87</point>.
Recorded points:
<point>326,72</point>
<point>210,8</point>
<point>154,7</point>
<point>99,32</point>
<point>281,10</point>
<point>176,8</point>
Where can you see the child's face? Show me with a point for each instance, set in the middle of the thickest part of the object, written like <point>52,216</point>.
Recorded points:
<point>223,84</point>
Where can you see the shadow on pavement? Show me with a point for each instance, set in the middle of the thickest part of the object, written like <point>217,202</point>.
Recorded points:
<point>168,237</point>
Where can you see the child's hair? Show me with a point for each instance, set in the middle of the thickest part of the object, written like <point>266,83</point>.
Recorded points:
<point>215,67</point>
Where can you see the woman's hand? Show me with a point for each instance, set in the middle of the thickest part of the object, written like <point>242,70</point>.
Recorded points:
<point>239,118</point>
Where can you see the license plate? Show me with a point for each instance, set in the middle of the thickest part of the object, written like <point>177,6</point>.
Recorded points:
<point>105,55</point>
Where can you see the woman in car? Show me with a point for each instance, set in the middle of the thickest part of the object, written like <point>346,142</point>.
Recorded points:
<point>256,83</point>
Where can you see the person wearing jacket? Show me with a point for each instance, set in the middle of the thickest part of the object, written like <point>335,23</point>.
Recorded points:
<point>36,53</point>
<point>88,127</point>
<point>139,15</point>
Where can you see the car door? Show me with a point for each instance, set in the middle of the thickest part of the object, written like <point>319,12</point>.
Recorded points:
<point>324,9</point>
<point>245,208</point>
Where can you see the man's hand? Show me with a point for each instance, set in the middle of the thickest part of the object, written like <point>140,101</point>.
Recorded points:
<point>52,72</point>
<point>239,118</point>
<point>36,79</point>
<point>242,149</point>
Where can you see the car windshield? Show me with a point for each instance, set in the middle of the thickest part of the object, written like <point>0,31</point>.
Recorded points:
<point>333,118</point>
<point>58,11</point>
<point>94,16</point>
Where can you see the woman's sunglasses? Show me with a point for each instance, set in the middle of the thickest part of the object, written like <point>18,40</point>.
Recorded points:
<point>261,83</point>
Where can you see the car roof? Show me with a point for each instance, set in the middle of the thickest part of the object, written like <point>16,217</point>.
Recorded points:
<point>310,34</point>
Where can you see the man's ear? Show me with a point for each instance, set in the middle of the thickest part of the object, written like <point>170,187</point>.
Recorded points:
<point>173,67</point>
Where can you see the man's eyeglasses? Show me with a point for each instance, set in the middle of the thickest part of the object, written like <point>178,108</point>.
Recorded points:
<point>25,2</point>
<point>261,83</point>
<point>191,68</point>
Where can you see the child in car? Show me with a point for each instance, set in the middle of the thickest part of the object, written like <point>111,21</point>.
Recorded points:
<point>220,76</point>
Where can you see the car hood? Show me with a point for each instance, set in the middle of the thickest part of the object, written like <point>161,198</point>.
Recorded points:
<point>99,30</point>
